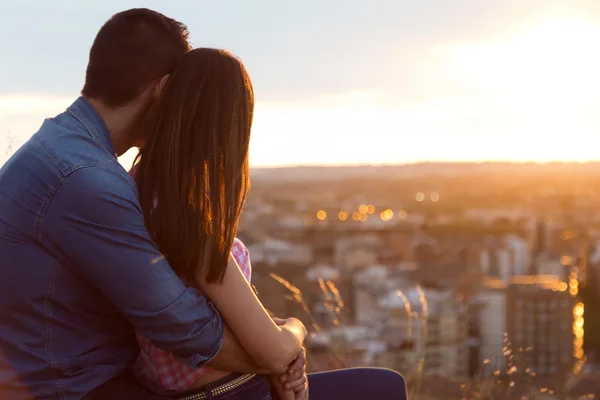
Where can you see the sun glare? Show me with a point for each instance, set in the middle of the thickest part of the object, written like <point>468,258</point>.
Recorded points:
<point>555,52</point>
<point>529,96</point>
<point>544,80</point>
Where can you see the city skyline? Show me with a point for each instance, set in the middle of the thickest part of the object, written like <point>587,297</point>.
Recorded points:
<point>383,83</point>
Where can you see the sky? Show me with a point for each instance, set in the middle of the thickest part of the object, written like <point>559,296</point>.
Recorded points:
<point>354,81</point>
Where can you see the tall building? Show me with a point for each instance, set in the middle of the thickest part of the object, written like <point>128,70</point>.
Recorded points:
<point>413,322</point>
<point>520,253</point>
<point>543,317</point>
<point>536,313</point>
<point>433,325</point>
<point>491,306</point>
<point>540,238</point>
<point>505,257</point>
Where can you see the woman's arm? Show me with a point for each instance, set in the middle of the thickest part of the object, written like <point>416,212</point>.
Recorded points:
<point>233,358</point>
<point>271,346</point>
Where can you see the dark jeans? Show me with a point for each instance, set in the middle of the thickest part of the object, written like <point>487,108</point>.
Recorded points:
<point>357,384</point>
<point>344,384</point>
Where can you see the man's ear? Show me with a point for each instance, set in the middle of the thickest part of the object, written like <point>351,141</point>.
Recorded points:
<point>161,86</point>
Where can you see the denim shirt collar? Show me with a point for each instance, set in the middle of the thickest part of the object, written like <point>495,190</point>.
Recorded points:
<point>87,115</point>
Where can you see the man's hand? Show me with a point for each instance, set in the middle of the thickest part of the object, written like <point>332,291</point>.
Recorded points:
<point>295,377</point>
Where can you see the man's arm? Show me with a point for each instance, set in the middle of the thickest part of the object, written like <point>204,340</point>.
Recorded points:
<point>94,225</point>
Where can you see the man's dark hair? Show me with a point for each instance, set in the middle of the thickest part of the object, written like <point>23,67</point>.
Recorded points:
<point>133,49</point>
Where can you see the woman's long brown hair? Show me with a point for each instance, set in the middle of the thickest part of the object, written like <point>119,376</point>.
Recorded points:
<point>192,173</point>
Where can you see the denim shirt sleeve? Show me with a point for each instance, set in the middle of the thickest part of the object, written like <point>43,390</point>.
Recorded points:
<point>94,224</point>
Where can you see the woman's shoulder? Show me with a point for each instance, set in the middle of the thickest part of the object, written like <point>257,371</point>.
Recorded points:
<point>237,243</point>
<point>242,257</point>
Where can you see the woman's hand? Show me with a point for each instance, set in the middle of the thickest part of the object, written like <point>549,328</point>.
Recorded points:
<point>293,325</point>
<point>279,391</point>
<point>293,385</point>
<point>302,394</point>
<point>295,377</point>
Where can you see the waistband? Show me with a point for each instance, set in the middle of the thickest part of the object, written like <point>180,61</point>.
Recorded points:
<point>219,387</point>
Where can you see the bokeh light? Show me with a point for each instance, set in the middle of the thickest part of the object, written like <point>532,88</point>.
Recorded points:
<point>387,215</point>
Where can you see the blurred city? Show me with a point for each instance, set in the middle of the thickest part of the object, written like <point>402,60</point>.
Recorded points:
<point>473,280</point>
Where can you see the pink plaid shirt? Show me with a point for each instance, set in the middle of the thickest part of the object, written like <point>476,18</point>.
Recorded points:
<point>156,366</point>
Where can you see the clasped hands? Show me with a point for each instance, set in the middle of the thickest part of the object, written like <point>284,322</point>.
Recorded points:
<point>295,378</point>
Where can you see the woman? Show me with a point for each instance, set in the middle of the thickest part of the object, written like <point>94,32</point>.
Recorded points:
<point>192,178</point>
<point>192,195</point>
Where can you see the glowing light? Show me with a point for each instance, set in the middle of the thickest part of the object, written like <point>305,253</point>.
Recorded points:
<point>435,196</point>
<point>321,215</point>
<point>573,283</point>
<point>565,260</point>
<point>356,216</point>
<point>387,215</point>
<point>573,286</point>
<point>371,209</point>
<point>363,209</point>
<point>342,215</point>
<point>363,217</point>
<point>578,310</point>
<point>402,214</point>
<point>572,276</point>
<point>563,286</point>
<point>420,197</point>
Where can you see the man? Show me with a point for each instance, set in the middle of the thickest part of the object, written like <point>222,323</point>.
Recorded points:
<point>78,269</point>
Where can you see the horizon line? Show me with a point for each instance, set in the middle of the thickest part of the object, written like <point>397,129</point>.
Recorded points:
<point>420,163</point>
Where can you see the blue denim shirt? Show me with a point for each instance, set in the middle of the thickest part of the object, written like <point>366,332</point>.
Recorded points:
<point>78,270</point>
